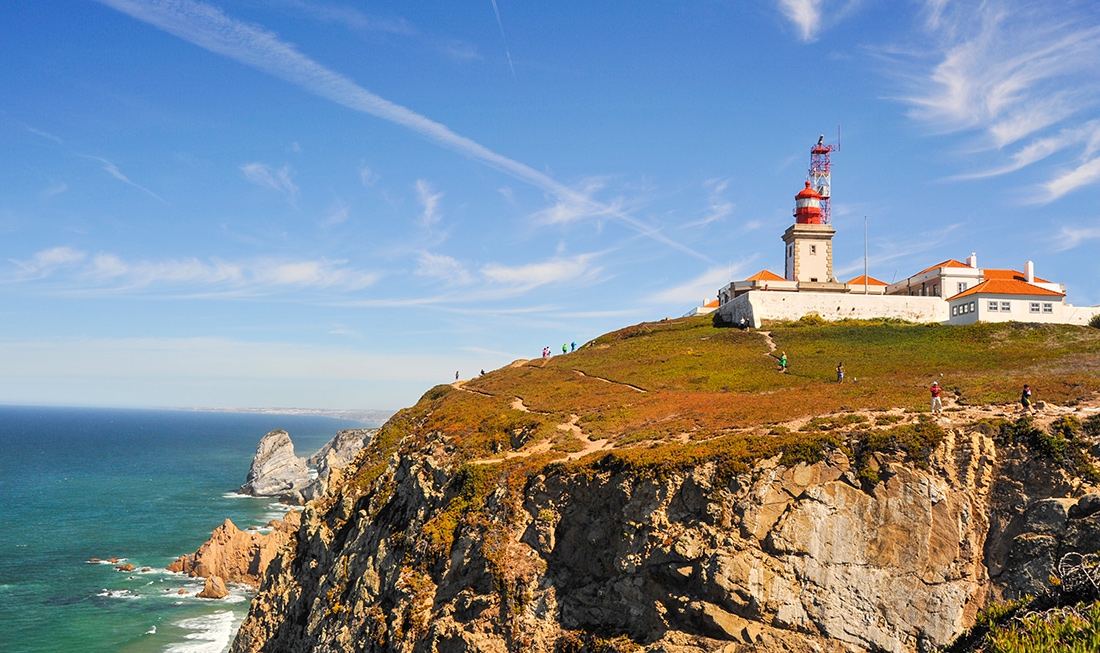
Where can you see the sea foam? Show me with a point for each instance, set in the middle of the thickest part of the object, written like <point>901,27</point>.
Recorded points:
<point>211,634</point>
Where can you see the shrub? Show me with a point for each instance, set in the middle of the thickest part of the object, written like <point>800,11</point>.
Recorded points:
<point>1091,426</point>
<point>1062,445</point>
<point>1095,321</point>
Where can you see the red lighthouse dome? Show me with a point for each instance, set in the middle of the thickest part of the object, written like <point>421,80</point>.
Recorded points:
<point>807,206</point>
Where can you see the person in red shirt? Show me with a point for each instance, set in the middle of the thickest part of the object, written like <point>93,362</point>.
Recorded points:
<point>937,405</point>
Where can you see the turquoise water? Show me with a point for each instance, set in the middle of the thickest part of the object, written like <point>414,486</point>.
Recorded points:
<point>142,486</point>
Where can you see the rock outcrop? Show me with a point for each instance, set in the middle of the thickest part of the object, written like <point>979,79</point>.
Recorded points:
<point>236,556</point>
<point>213,588</point>
<point>335,455</point>
<point>276,471</point>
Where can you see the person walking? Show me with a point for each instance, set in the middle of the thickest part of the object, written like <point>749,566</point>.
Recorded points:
<point>840,372</point>
<point>783,362</point>
<point>456,375</point>
<point>573,346</point>
<point>564,348</point>
<point>937,404</point>
<point>1025,398</point>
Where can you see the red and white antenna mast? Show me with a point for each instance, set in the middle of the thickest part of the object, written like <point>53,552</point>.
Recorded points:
<point>820,167</point>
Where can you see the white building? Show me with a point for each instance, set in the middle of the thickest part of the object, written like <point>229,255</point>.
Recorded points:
<point>951,292</point>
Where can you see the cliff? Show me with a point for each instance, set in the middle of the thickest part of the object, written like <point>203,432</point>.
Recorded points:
<point>665,488</point>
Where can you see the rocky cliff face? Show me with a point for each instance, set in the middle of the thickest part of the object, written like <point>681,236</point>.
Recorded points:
<point>797,557</point>
<point>276,471</point>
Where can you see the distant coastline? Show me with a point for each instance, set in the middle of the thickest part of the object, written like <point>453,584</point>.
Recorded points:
<point>373,417</point>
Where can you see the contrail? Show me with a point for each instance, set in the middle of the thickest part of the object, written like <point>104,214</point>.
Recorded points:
<point>209,28</point>
<point>504,40</point>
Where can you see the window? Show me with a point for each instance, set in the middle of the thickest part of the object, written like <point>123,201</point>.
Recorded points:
<point>813,279</point>
<point>1033,307</point>
<point>972,307</point>
<point>935,290</point>
<point>961,286</point>
<point>1048,307</point>
<point>994,305</point>
<point>954,310</point>
<point>813,249</point>
<point>1006,307</point>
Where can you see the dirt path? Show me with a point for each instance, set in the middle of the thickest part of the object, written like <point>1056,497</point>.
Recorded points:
<point>768,339</point>
<point>600,378</point>
<point>571,426</point>
<point>461,385</point>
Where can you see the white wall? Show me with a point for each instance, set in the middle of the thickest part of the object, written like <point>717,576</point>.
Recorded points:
<point>768,305</point>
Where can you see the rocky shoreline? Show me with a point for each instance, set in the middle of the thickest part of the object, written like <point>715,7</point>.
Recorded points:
<point>242,557</point>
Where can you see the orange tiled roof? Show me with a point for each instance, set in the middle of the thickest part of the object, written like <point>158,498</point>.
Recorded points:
<point>871,281</point>
<point>949,263</point>
<point>711,304</point>
<point>1007,287</point>
<point>1008,275</point>
<point>765,275</point>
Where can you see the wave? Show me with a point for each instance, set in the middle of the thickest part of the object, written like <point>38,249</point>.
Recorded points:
<point>211,634</point>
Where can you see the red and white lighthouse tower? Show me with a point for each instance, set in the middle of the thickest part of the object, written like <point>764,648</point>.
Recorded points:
<point>809,241</point>
<point>807,207</point>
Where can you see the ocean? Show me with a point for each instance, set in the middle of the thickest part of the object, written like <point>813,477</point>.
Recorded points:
<point>142,486</point>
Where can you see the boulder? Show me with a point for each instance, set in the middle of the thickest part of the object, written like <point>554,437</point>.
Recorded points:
<point>276,471</point>
<point>125,567</point>
<point>214,588</point>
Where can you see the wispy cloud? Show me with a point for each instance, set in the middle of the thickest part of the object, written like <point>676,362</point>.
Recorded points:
<point>500,24</point>
<point>46,261</point>
<point>1012,73</point>
<point>39,132</point>
<point>350,17</point>
<point>811,16</point>
<point>105,271</point>
<point>443,268</point>
<point>805,14</point>
<point>688,294</point>
<point>1070,237</point>
<point>533,275</point>
<point>338,215</point>
<point>209,28</point>
<point>429,201</point>
<point>55,189</point>
<point>113,170</point>
<point>367,176</point>
<point>718,207</point>
<point>268,177</point>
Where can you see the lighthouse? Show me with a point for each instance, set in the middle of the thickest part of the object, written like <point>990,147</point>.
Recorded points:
<point>809,243</point>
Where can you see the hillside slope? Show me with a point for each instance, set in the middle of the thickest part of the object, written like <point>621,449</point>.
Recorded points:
<point>667,487</point>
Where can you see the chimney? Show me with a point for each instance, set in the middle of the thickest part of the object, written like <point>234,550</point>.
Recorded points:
<point>972,260</point>
<point>1029,272</point>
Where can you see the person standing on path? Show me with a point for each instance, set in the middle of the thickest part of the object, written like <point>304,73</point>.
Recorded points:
<point>456,375</point>
<point>783,362</point>
<point>937,404</point>
<point>1025,398</point>
<point>840,372</point>
<point>573,346</point>
<point>564,348</point>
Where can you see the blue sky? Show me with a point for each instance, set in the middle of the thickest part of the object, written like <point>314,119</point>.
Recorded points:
<point>337,204</point>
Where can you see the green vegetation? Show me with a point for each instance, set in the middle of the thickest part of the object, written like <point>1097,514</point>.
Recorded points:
<point>1063,444</point>
<point>1095,321</point>
<point>1062,631</point>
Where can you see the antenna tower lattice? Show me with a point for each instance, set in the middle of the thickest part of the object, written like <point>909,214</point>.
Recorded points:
<point>820,168</point>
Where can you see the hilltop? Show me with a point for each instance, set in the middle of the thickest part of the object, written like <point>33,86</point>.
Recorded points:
<point>665,486</point>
